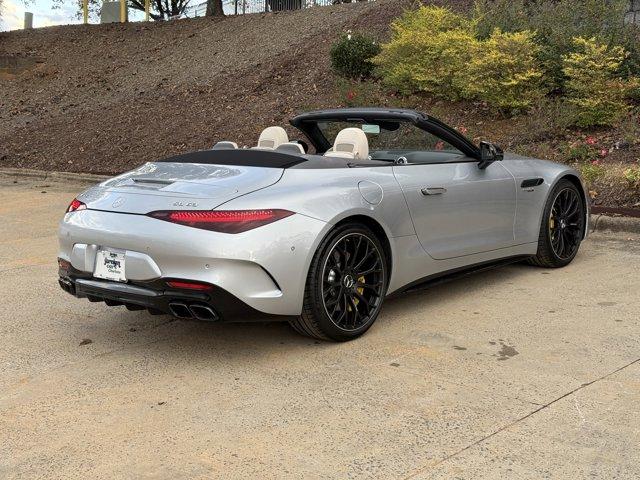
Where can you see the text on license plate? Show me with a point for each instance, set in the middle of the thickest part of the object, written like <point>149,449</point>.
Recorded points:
<point>110,265</point>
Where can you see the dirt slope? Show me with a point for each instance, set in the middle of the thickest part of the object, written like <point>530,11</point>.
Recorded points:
<point>110,97</point>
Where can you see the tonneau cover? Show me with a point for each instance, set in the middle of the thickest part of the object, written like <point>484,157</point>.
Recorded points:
<point>240,158</point>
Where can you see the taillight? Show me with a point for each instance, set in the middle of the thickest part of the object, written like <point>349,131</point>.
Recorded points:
<point>64,264</point>
<point>188,285</point>
<point>225,221</point>
<point>76,205</point>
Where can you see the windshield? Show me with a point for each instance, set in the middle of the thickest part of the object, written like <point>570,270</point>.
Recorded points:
<point>388,140</point>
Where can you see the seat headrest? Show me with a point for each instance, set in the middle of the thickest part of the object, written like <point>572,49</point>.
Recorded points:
<point>350,143</point>
<point>290,147</point>
<point>272,137</point>
<point>225,146</point>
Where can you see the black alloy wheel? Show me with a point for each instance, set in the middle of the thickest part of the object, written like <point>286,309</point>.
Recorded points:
<point>353,281</point>
<point>562,226</point>
<point>565,223</point>
<point>346,285</point>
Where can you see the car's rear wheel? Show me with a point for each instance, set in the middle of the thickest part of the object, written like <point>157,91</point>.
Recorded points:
<point>562,227</point>
<point>346,285</point>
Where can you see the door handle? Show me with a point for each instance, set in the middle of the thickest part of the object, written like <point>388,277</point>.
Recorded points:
<point>433,190</point>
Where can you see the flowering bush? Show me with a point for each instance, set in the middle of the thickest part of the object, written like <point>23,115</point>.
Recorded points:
<point>592,86</point>
<point>351,55</point>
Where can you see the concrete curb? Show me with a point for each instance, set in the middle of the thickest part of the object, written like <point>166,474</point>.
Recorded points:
<point>599,222</point>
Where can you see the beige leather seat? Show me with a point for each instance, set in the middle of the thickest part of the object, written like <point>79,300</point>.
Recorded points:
<point>350,143</point>
<point>225,146</point>
<point>272,137</point>
<point>290,147</point>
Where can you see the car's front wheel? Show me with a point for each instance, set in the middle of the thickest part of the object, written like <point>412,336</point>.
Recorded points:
<point>562,227</point>
<point>346,285</point>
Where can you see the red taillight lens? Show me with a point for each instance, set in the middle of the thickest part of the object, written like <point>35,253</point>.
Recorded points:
<point>64,264</point>
<point>225,221</point>
<point>76,205</point>
<point>185,285</point>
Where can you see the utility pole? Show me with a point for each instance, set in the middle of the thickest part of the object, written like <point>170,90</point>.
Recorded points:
<point>85,11</point>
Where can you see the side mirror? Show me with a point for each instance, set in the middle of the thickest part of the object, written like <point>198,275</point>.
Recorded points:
<point>489,153</point>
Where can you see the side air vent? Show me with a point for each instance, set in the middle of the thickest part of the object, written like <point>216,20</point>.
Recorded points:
<point>531,182</point>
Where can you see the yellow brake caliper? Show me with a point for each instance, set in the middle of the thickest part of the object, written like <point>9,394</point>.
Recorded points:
<point>360,290</point>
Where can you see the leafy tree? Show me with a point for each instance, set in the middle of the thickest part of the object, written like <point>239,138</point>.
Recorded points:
<point>160,9</point>
<point>214,8</point>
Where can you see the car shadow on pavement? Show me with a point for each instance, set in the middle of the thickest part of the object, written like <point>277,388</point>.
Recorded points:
<point>166,335</point>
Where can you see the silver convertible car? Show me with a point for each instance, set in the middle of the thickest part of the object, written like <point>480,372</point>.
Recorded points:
<point>317,231</point>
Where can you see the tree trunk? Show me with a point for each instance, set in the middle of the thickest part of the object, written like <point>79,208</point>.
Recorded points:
<point>214,8</point>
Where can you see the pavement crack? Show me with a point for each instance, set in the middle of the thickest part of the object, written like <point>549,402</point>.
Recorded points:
<point>515,422</point>
<point>595,223</point>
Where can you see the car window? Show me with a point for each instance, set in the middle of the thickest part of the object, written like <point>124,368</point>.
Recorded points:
<point>390,139</point>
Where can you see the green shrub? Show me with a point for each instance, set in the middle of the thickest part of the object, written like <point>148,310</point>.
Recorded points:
<point>557,23</point>
<point>591,172</point>
<point>632,176</point>
<point>592,86</point>
<point>633,90</point>
<point>512,52</point>
<point>581,153</point>
<point>436,51</point>
<point>547,119</point>
<point>504,71</point>
<point>351,55</point>
<point>428,50</point>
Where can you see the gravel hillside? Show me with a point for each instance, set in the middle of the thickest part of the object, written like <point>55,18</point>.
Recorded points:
<point>109,97</point>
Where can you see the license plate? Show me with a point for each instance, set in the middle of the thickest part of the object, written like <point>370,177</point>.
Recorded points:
<point>110,265</point>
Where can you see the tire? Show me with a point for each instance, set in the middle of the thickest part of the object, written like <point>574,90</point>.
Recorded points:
<point>561,228</point>
<point>345,286</point>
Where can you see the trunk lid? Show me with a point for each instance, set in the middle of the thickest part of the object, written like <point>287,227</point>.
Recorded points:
<point>175,186</point>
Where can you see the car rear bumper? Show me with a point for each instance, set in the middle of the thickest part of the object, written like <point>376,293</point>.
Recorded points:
<point>264,268</point>
<point>213,305</point>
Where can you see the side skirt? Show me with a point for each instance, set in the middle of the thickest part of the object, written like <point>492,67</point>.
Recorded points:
<point>455,274</point>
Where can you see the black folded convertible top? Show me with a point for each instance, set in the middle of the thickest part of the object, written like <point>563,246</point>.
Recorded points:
<point>240,158</point>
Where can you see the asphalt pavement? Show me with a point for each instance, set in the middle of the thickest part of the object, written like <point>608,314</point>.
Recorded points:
<point>519,372</point>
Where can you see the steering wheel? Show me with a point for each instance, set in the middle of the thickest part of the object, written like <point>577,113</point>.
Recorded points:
<point>401,161</point>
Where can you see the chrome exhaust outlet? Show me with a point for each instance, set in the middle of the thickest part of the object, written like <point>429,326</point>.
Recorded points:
<point>204,313</point>
<point>180,310</point>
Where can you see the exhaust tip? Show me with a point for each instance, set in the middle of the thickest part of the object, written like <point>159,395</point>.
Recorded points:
<point>203,312</point>
<point>180,310</point>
